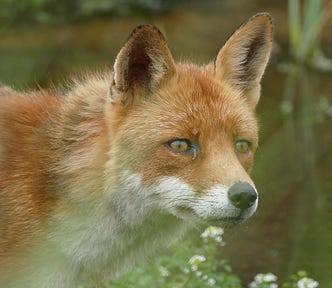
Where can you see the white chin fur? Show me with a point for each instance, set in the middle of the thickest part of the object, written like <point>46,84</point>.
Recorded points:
<point>169,194</point>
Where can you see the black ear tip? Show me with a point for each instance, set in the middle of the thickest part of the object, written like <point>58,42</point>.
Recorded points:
<point>263,17</point>
<point>146,29</point>
<point>147,26</point>
<point>263,14</point>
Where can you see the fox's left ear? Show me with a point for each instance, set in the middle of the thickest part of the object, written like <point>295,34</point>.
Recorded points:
<point>242,60</point>
<point>143,64</point>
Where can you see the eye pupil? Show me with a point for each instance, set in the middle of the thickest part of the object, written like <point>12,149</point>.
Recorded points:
<point>179,145</point>
<point>242,146</point>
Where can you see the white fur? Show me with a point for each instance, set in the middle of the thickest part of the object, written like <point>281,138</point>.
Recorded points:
<point>212,204</point>
<point>216,205</point>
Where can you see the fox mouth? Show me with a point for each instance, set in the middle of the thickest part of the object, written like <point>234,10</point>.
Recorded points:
<point>189,214</point>
<point>227,222</point>
<point>231,221</point>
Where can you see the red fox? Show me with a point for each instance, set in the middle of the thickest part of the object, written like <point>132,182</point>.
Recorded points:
<point>96,177</point>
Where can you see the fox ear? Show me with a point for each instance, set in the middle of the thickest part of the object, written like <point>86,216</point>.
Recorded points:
<point>143,63</point>
<point>242,60</point>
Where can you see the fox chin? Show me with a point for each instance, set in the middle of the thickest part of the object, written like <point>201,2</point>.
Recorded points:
<point>95,177</point>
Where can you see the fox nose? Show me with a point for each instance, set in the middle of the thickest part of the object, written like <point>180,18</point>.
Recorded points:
<point>242,195</point>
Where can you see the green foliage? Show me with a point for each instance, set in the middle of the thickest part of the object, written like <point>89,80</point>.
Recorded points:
<point>197,264</point>
<point>304,32</point>
<point>63,11</point>
<point>183,269</point>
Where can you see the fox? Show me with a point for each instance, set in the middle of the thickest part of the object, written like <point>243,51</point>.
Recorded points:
<point>99,175</point>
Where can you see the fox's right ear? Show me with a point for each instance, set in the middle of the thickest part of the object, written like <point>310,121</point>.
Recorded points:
<point>143,64</point>
<point>242,60</point>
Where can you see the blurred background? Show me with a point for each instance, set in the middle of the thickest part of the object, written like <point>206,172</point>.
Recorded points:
<point>43,42</point>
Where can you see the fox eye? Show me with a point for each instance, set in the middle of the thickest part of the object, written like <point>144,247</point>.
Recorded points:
<point>182,146</point>
<point>242,147</point>
<point>179,146</point>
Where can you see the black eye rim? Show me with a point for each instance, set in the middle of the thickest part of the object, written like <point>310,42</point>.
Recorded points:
<point>192,147</point>
<point>249,143</point>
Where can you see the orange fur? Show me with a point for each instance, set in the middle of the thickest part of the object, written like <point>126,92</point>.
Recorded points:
<point>88,181</point>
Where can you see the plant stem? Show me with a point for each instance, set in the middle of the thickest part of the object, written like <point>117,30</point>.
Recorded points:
<point>294,20</point>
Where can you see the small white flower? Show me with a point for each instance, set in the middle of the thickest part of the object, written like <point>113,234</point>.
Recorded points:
<point>212,232</point>
<point>258,278</point>
<point>218,239</point>
<point>196,259</point>
<point>253,285</point>
<point>194,268</point>
<point>265,278</point>
<point>205,277</point>
<point>198,273</point>
<point>211,282</point>
<point>164,272</point>
<point>307,283</point>
<point>269,277</point>
<point>185,270</point>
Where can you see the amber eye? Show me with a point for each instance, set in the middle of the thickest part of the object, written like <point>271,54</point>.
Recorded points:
<point>180,146</point>
<point>183,146</point>
<point>242,147</point>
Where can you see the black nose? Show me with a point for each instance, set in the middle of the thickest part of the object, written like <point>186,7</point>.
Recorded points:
<point>242,195</point>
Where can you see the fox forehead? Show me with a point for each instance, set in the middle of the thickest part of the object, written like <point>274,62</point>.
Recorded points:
<point>193,105</point>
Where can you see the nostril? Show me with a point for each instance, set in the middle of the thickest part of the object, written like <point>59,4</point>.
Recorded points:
<point>242,195</point>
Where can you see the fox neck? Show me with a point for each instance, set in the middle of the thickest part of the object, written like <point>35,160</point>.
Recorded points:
<point>107,240</point>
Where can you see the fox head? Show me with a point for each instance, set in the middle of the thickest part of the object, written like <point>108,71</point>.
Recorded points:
<point>183,137</point>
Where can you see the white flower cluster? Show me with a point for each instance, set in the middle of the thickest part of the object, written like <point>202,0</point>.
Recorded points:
<point>268,279</point>
<point>306,282</point>
<point>195,261</point>
<point>213,232</point>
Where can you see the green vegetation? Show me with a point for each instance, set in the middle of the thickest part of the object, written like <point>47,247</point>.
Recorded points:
<point>63,11</point>
<point>197,264</point>
<point>306,20</point>
<point>305,27</point>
